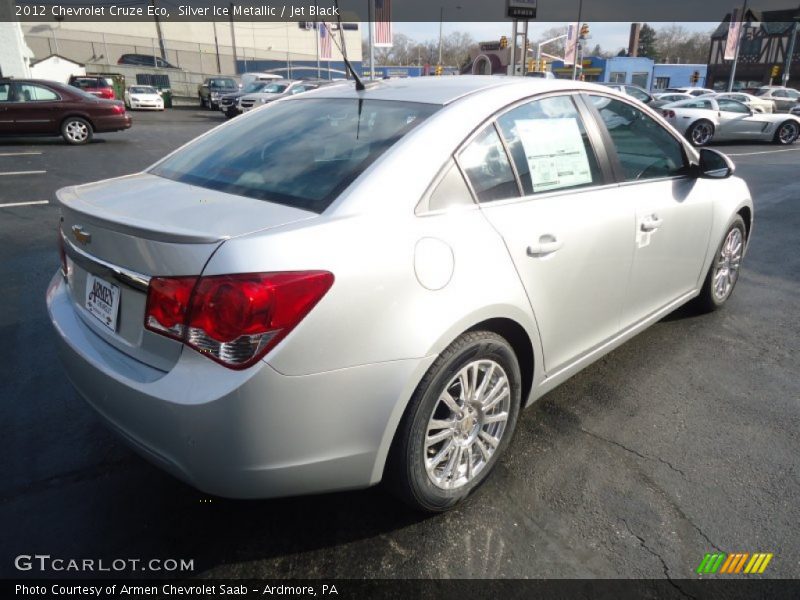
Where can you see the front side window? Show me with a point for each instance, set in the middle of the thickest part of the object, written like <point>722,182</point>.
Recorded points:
<point>300,153</point>
<point>549,145</point>
<point>732,106</point>
<point>703,104</point>
<point>486,165</point>
<point>646,150</point>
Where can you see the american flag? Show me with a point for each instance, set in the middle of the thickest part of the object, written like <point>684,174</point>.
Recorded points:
<point>383,24</point>
<point>325,46</point>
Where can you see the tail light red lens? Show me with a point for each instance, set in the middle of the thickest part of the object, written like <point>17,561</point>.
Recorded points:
<point>233,319</point>
<point>670,114</point>
<point>107,93</point>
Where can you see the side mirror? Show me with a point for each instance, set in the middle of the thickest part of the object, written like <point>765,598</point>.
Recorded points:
<point>715,165</point>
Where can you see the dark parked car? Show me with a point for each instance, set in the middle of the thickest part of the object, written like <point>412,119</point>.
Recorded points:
<point>145,60</point>
<point>213,88</point>
<point>228,103</point>
<point>33,106</point>
<point>102,87</point>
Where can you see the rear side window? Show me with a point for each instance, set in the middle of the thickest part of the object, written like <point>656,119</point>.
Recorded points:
<point>549,145</point>
<point>300,153</point>
<point>486,165</point>
<point>646,150</point>
<point>35,93</point>
<point>451,191</point>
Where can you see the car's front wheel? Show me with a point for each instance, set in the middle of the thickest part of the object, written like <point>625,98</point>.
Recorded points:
<point>724,271</point>
<point>457,424</point>
<point>701,133</point>
<point>787,133</point>
<point>76,131</point>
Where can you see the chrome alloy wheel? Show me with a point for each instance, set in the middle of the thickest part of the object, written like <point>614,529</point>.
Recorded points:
<point>77,131</point>
<point>726,269</point>
<point>702,133</point>
<point>467,424</point>
<point>788,133</point>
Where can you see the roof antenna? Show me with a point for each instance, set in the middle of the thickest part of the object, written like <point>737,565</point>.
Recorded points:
<point>360,87</point>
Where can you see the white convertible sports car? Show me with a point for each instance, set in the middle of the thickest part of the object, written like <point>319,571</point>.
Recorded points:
<point>709,118</point>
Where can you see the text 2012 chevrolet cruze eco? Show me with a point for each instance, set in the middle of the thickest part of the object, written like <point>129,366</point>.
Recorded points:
<point>373,288</point>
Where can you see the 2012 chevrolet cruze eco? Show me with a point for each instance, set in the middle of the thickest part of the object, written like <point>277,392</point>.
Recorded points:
<point>354,286</point>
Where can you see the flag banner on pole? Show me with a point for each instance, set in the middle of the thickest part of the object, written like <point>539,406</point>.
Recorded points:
<point>734,28</point>
<point>572,44</point>
<point>325,44</point>
<point>383,24</point>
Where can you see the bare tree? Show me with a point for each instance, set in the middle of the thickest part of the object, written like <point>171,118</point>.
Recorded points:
<point>676,44</point>
<point>556,48</point>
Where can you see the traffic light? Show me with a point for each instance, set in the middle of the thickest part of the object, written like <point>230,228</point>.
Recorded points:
<point>584,31</point>
<point>776,70</point>
<point>503,42</point>
<point>695,77</point>
<point>439,70</point>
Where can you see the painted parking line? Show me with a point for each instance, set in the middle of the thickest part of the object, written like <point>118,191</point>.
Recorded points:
<point>21,173</point>
<point>20,153</point>
<point>31,203</point>
<point>764,152</point>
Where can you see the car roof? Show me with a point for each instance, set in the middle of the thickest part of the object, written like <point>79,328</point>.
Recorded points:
<point>444,90</point>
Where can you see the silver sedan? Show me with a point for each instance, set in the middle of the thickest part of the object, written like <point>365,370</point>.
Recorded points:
<point>375,289</point>
<point>709,118</point>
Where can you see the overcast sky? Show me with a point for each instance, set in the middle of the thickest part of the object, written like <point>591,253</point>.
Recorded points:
<point>610,36</point>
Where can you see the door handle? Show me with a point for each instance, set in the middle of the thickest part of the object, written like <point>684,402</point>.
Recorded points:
<point>650,223</point>
<point>547,244</point>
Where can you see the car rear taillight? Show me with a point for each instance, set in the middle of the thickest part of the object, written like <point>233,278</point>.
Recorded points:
<point>669,114</point>
<point>118,109</point>
<point>233,319</point>
<point>107,93</point>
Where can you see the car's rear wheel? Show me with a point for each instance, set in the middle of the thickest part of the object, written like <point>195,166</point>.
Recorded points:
<point>701,133</point>
<point>724,271</point>
<point>458,423</point>
<point>787,133</point>
<point>76,131</point>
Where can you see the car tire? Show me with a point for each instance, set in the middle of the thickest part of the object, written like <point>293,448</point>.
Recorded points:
<point>787,133</point>
<point>724,270</point>
<point>701,133</point>
<point>76,131</point>
<point>434,476</point>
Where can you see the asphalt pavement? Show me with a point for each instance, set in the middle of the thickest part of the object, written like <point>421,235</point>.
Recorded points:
<point>683,441</point>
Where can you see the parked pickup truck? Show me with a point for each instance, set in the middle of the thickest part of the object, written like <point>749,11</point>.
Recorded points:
<point>213,88</point>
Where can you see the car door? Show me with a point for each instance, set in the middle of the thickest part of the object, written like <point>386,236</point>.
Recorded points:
<point>737,121</point>
<point>34,109</point>
<point>670,232</point>
<point>565,228</point>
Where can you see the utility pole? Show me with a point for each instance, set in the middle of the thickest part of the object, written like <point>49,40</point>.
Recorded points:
<point>216,45</point>
<point>738,45</point>
<point>233,40</point>
<point>158,32</point>
<point>441,23</point>
<point>787,69</point>
<point>577,40</point>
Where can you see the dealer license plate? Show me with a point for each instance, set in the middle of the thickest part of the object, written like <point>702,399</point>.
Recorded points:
<point>102,300</point>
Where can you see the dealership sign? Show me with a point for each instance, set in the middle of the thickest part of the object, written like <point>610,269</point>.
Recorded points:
<point>521,9</point>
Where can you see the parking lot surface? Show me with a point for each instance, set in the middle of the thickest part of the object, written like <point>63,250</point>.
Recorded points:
<point>683,441</point>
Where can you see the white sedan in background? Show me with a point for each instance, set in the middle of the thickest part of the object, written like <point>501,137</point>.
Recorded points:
<point>143,96</point>
<point>709,118</point>
<point>759,105</point>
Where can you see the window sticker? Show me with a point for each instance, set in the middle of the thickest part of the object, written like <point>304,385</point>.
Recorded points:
<point>555,152</point>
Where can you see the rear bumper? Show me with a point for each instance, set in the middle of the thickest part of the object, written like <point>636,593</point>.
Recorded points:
<point>112,123</point>
<point>240,434</point>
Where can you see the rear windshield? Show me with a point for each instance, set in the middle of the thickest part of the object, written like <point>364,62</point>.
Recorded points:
<point>301,153</point>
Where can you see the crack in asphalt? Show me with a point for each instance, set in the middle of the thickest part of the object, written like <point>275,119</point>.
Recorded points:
<point>664,565</point>
<point>631,450</point>
<point>661,460</point>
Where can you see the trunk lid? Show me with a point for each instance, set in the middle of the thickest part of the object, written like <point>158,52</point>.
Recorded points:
<point>126,230</point>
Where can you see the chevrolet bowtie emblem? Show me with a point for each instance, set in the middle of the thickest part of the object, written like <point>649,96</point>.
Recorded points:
<point>81,236</point>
